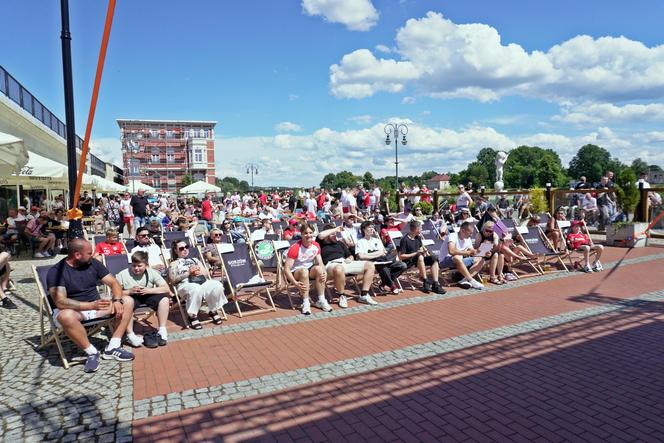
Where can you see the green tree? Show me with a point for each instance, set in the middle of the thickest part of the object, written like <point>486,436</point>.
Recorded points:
<point>368,179</point>
<point>487,158</point>
<point>639,166</point>
<point>187,180</point>
<point>426,176</point>
<point>627,190</point>
<point>529,166</point>
<point>591,161</point>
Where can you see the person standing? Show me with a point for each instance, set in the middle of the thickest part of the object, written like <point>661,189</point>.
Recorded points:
<point>206,209</point>
<point>127,213</point>
<point>139,204</point>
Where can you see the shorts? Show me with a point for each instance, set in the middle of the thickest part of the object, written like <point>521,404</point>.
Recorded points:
<point>87,316</point>
<point>447,262</point>
<point>128,219</point>
<point>353,268</point>
<point>151,300</point>
<point>428,261</point>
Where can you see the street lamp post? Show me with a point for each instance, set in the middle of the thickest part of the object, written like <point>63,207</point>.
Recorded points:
<point>133,147</point>
<point>252,169</point>
<point>395,129</point>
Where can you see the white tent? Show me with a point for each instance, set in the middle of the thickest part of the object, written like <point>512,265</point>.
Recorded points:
<point>102,185</point>
<point>135,185</point>
<point>200,187</point>
<point>13,155</point>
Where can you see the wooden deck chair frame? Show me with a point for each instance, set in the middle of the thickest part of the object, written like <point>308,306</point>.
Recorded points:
<point>548,245</point>
<point>176,296</point>
<point>280,248</point>
<point>568,255</point>
<point>55,334</point>
<point>141,313</point>
<point>246,292</point>
<point>515,231</point>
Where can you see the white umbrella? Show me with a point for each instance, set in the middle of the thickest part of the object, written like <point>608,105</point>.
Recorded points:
<point>13,154</point>
<point>135,185</point>
<point>200,187</point>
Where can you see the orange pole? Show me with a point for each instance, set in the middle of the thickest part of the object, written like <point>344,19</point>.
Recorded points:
<point>93,100</point>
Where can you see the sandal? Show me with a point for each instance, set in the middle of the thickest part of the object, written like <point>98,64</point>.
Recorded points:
<point>216,318</point>
<point>195,323</point>
<point>497,281</point>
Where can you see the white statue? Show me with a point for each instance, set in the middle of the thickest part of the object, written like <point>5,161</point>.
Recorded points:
<point>501,158</point>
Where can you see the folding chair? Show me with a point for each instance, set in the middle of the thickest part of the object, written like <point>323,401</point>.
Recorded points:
<point>516,233</point>
<point>565,226</point>
<point>280,248</point>
<point>116,264</point>
<point>240,268</point>
<point>96,239</point>
<point>538,243</point>
<point>56,335</point>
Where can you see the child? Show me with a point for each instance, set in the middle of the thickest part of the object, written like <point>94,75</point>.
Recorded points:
<point>99,222</point>
<point>578,241</point>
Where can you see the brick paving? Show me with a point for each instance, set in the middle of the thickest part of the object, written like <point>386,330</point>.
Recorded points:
<point>436,366</point>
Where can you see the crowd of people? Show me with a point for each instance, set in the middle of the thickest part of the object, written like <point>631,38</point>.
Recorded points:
<point>471,231</point>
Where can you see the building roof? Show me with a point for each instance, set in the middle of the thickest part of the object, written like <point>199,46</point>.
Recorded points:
<point>122,121</point>
<point>440,178</point>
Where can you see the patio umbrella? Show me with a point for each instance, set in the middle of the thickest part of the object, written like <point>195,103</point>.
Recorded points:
<point>13,154</point>
<point>200,187</point>
<point>135,185</point>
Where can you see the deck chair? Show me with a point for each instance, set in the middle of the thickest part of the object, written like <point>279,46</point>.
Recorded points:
<point>573,256</point>
<point>516,233</point>
<point>116,264</point>
<point>538,243</point>
<point>280,248</point>
<point>244,277</point>
<point>96,239</point>
<point>55,334</point>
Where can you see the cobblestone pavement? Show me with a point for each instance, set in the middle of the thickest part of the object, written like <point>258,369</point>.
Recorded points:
<point>39,400</point>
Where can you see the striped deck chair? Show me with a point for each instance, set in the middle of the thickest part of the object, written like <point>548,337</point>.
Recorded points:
<point>55,334</point>
<point>516,234</point>
<point>538,243</point>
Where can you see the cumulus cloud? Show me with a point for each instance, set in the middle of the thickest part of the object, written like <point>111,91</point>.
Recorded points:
<point>605,113</point>
<point>356,15</point>
<point>107,149</point>
<point>287,127</point>
<point>383,48</point>
<point>292,97</point>
<point>361,119</point>
<point>442,59</point>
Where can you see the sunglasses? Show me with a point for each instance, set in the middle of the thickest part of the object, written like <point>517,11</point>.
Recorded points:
<point>182,248</point>
<point>141,235</point>
<point>216,235</point>
<point>489,231</point>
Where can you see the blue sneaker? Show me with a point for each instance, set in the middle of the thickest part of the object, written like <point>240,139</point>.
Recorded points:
<point>92,363</point>
<point>118,354</point>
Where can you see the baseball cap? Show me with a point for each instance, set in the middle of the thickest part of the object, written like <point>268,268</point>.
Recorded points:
<point>21,208</point>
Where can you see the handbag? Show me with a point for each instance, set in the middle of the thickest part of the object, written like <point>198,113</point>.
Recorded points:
<point>197,279</point>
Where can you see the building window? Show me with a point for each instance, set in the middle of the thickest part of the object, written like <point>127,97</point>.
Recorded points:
<point>198,156</point>
<point>192,134</point>
<point>170,155</point>
<point>199,176</point>
<point>156,180</point>
<point>134,167</point>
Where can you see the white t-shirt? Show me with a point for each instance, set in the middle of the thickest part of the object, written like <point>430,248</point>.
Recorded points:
<point>369,245</point>
<point>153,252</point>
<point>126,208</point>
<point>311,205</point>
<point>460,244</point>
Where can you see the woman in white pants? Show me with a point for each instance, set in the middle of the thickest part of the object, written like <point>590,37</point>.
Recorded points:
<point>194,284</point>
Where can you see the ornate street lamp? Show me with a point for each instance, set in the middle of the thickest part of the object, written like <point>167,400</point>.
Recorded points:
<point>252,169</point>
<point>395,129</point>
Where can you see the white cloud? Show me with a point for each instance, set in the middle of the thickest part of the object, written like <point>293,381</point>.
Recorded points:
<point>292,97</point>
<point>356,15</point>
<point>408,100</point>
<point>604,113</point>
<point>384,49</point>
<point>361,119</point>
<point>442,59</point>
<point>107,149</point>
<point>287,127</point>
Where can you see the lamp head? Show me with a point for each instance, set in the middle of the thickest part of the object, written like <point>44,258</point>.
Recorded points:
<point>403,140</point>
<point>387,140</point>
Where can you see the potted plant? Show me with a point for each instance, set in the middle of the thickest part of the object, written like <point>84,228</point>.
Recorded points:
<point>627,233</point>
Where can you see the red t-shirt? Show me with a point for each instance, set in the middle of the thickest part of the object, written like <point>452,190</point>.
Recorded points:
<point>385,236</point>
<point>577,240</point>
<point>303,256</point>
<point>206,210</point>
<point>104,248</point>
<point>263,199</point>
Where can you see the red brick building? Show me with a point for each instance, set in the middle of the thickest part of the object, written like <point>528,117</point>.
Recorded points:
<point>161,152</point>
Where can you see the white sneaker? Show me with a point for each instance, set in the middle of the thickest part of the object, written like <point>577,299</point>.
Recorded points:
<point>306,307</point>
<point>323,305</point>
<point>39,255</point>
<point>598,267</point>
<point>587,269</point>
<point>366,299</point>
<point>465,284</point>
<point>343,301</point>
<point>135,340</point>
<point>476,285</point>
<point>46,254</point>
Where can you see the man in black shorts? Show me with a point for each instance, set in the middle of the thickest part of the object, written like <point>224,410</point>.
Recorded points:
<point>72,287</point>
<point>139,204</point>
<point>147,287</point>
<point>413,253</point>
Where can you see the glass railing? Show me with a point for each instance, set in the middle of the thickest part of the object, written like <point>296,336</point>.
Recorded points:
<point>11,88</point>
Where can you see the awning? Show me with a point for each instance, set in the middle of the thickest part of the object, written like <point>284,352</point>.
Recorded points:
<point>13,154</point>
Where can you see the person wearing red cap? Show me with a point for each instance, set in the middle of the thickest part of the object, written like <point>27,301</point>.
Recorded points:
<point>292,232</point>
<point>578,241</point>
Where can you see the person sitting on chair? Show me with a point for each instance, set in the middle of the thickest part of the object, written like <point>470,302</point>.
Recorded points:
<point>193,283</point>
<point>72,285</point>
<point>494,258</point>
<point>109,247</point>
<point>413,253</point>
<point>43,242</point>
<point>145,245</point>
<point>5,270</point>
<point>369,247</point>
<point>458,252</point>
<point>338,261</point>
<point>147,287</point>
<point>211,253</point>
<point>578,241</point>
<point>304,263</point>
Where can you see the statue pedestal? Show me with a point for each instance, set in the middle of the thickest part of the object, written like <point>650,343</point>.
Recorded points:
<point>499,186</point>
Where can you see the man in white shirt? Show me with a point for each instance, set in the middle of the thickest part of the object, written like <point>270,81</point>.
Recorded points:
<point>154,252</point>
<point>127,212</point>
<point>458,252</point>
<point>375,197</point>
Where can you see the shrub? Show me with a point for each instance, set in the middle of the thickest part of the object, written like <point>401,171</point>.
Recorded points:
<point>427,208</point>
<point>627,190</point>
<point>538,202</point>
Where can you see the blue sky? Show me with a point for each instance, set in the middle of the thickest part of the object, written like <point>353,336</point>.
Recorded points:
<point>304,87</point>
